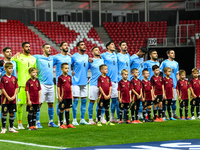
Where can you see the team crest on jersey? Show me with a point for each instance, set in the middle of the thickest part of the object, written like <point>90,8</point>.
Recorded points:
<point>13,81</point>
<point>6,81</point>
<point>69,79</point>
<point>160,79</point>
<point>108,80</point>
<point>171,81</point>
<point>37,84</point>
<point>199,82</point>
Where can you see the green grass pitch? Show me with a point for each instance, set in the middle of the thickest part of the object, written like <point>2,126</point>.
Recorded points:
<point>91,135</point>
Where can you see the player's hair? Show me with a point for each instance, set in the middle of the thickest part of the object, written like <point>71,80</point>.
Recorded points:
<point>143,71</point>
<point>101,66</point>
<point>63,64</point>
<point>5,48</point>
<point>168,51</point>
<point>94,48</point>
<point>108,43</point>
<point>154,67</point>
<point>8,64</point>
<point>24,43</point>
<point>120,43</point>
<point>32,69</point>
<point>61,44</point>
<point>133,70</point>
<point>45,45</point>
<point>124,71</point>
<point>195,70</point>
<point>182,72</point>
<point>166,69</point>
<point>143,49</point>
<point>151,51</point>
<point>78,44</point>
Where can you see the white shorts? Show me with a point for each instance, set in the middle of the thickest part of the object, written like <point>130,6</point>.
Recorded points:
<point>175,95</point>
<point>79,90</point>
<point>47,93</point>
<point>93,92</point>
<point>114,92</point>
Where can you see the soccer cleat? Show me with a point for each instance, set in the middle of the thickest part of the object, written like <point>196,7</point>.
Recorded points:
<point>164,119</point>
<point>75,123</point>
<point>135,122</point>
<point>99,124</point>
<point>3,131</point>
<point>83,122</point>
<point>35,128</point>
<point>128,122</point>
<point>187,118</point>
<point>120,122</point>
<point>109,123</point>
<point>70,126</point>
<point>20,127</point>
<point>103,121</point>
<point>157,120</point>
<point>31,128</point>
<point>12,130</point>
<point>175,116</point>
<point>145,120</point>
<point>182,118</point>
<point>15,128</point>
<point>198,117</point>
<point>38,125</point>
<point>161,120</point>
<point>114,121</point>
<point>92,122</point>
<point>52,124</point>
<point>193,118</point>
<point>138,121</point>
<point>150,120</point>
<point>172,118</point>
<point>63,126</point>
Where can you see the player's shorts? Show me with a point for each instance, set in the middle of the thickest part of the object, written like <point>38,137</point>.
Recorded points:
<point>65,104</point>
<point>123,106</point>
<point>159,98</point>
<point>114,92</point>
<point>32,108</point>
<point>21,95</point>
<point>135,105</point>
<point>168,102</point>
<point>11,108</point>
<point>183,103</point>
<point>175,95</point>
<point>147,103</point>
<point>93,92</point>
<point>104,103</point>
<point>195,102</point>
<point>79,90</point>
<point>47,93</point>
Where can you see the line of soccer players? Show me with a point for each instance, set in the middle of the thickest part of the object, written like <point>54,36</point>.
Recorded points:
<point>111,80</point>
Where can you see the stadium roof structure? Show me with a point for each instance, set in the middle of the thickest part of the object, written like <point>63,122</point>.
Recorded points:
<point>106,5</point>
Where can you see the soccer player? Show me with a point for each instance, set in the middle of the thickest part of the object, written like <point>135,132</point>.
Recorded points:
<point>182,92</point>
<point>65,97</point>
<point>169,93</point>
<point>136,87</point>
<point>105,87</point>
<point>110,59</point>
<point>58,59</point>
<point>124,92</point>
<point>33,94</point>
<point>45,76</point>
<point>171,63</point>
<point>79,81</point>
<point>24,61</point>
<point>158,93</point>
<point>123,60</point>
<point>195,93</point>
<point>93,89</point>
<point>147,99</point>
<point>9,89</point>
<point>153,61</point>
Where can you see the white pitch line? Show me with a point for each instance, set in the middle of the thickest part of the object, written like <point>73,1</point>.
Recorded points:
<point>32,144</point>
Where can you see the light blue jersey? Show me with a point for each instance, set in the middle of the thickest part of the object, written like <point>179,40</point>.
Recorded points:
<point>94,68</point>
<point>174,67</point>
<point>138,63</point>
<point>80,67</point>
<point>148,65</point>
<point>110,59</point>
<point>123,63</point>
<point>3,72</point>
<point>58,60</point>
<point>45,67</point>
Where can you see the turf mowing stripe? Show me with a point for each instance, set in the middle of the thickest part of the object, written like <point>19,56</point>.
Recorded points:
<point>32,144</point>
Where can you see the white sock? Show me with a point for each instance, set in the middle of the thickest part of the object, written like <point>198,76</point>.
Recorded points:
<point>50,121</point>
<point>20,124</point>
<point>102,117</point>
<point>112,116</point>
<point>37,122</point>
